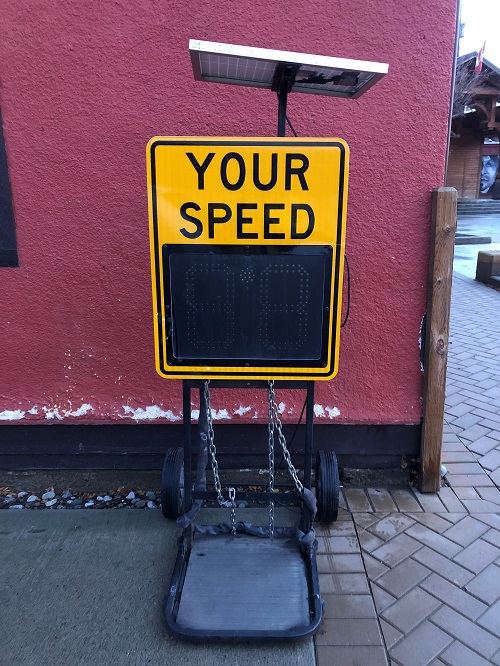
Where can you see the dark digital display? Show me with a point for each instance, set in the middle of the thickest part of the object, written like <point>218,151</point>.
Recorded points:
<point>234,305</point>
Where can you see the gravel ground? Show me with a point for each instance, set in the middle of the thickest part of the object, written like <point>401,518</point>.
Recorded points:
<point>119,498</point>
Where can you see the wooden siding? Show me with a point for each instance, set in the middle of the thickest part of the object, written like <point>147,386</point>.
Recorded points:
<point>464,166</point>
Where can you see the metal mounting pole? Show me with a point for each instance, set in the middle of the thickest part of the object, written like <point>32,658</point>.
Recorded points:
<point>286,76</point>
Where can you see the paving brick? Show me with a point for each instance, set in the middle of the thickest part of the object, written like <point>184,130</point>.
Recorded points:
<point>403,577</point>
<point>489,494</point>
<point>340,528</point>
<point>466,494</point>
<point>357,500</point>
<point>429,501</point>
<point>454,400</point>
<point>448,457</point>
<point>477,556</point>
<point>480,506</point>
<point>411,610</point>
<point>482,405</point>
<point>390,633</point>
<point>458,409</point>
<point>452,443</point>
<point>457,654</point>
<point>421,646</point>
<point>491,519</point>
<point>464,630</point>
<point>396,550</point>
<point>474,433</point>
<point>405,500</point>
<point>340,563</point>
<point>492,414</point>
<point>368,541</point>
<point>343,584</point>
<point>393,524</point>
<point>491,460</point>
<point>350,656</point>
<point>365,520</point>
<point>486,585</point>
<point>483,445</point>
<point>381,598</point>
<point>492,536</point>
<point>491,619</point>
<point>469,480</point>
<point>425,535</point>
<point>340,544</point>
<point>466,531</point>
<point>454,517</point>
<point>496,659</point>
<point>443,566</point>
<point>464,468</point>
<point>450,501</point>
<point>381,500</point>
<point>495,476</point>
<point>349,632</point>
<point>432,520</point>
<point>491,424</point>
<point>454,597</point>
<point>467,421</point>
<point>374,568</point>
<point>349,606</point>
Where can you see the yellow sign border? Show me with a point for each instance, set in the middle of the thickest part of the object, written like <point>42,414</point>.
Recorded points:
<point>168,371</point>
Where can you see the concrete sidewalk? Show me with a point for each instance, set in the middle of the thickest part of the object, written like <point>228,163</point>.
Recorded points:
<point>408,579</point>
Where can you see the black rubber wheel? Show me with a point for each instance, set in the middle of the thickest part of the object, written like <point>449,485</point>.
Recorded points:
<point>327,486</point>
<point>172,484</point>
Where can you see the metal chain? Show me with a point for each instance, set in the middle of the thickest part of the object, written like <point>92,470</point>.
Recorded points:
<point>270,428</point>
<point>286,454</point>
<point>232,497</point>
<point>213,453</point>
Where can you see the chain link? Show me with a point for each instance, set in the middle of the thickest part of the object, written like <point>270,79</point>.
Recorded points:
<point>270,428</point>
<point>232,497</point>
<point>286,454</point>
<point>213,452</point>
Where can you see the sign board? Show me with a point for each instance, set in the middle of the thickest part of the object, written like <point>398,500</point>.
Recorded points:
<point>247,254</point>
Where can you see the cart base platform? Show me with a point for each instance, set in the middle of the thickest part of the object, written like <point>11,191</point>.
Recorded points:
<point>239,586</point>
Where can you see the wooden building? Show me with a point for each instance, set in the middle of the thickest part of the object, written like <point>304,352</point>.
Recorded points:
<point>475,131</point>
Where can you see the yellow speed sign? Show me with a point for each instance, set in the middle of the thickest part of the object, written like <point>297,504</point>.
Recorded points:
<point>247,250</point>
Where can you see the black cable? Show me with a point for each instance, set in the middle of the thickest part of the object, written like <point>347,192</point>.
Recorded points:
<point>288,121</point>
<point>290,125</point>
<point>348,293</point>
<point>278,466</point>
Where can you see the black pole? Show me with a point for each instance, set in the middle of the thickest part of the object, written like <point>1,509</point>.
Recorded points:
<point>282,100</point>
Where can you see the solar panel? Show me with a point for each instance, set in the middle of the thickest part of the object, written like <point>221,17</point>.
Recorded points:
<point>314,74</point>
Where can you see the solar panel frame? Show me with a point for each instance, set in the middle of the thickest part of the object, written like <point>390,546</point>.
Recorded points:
<point>249,66</point>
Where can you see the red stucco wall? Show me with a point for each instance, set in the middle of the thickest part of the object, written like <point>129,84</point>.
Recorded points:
<point>84,85</point>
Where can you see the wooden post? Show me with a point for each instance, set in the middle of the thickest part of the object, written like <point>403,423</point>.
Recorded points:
<point>444,224</point>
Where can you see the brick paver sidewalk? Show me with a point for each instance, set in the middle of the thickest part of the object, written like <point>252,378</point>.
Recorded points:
<point>414,579</point>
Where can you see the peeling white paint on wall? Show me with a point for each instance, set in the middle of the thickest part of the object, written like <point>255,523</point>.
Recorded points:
<point>323,412</point>
<point>319,411</point>
<point>195,414</point>
<point>332,412</point>
<point>241,411</point>
<point>81,411</point>
<point>33,410</point>
<point>12,415</point>
<point>281,408</point>
<point>221,415</point>
<point>150,413</point>
<point>52,413</point>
